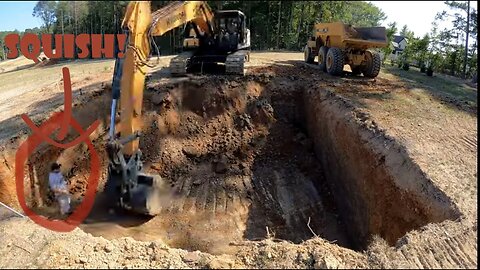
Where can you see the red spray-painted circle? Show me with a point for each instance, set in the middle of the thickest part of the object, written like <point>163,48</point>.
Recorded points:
<point>40,135</point>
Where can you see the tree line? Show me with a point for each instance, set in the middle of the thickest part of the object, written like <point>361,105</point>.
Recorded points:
<point>277,25</point>
<point>443,50</point>
<point>273,24</point>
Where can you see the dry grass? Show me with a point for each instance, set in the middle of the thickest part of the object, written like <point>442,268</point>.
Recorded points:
<point>35,78</point>
<point>438,85</point>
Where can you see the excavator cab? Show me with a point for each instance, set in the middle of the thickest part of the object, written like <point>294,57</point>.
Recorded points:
<point>227,43</point>
<point>232,33</point>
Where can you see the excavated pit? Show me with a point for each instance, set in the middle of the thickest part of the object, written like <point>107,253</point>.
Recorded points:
<point>255,158</point>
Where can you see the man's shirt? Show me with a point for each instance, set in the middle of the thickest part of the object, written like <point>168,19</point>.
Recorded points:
<point>56,181</point>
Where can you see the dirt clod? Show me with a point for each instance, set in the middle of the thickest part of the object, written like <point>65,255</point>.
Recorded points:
<point>191,257</point>
<point>221,165</point>
<point>328,262</point>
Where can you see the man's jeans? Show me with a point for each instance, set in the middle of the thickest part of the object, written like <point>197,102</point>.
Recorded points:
<point>64,202</point>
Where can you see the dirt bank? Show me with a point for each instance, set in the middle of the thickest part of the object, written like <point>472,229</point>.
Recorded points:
<point>377,186</point>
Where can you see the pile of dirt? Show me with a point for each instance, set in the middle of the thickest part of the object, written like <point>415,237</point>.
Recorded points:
<point>36,247</point>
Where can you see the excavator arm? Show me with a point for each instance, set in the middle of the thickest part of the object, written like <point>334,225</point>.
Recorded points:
<point>179,13</point>
<point>141,25</point>
<point>132,188</point>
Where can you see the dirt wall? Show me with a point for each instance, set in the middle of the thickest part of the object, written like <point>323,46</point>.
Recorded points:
<point>38,166</point>
<point>7,190</point>
<point>378,189</point>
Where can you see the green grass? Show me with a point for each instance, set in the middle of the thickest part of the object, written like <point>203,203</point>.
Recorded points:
<point>437,85</point>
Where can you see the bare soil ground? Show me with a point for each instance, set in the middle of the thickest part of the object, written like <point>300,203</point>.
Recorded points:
<point>239,153</point>
<point>437,120</point>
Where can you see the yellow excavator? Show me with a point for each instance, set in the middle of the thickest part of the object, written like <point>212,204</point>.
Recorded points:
<point>210,37</point>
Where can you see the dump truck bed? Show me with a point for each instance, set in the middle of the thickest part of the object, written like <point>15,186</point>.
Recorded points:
<point>341,35</point>
<point>360,43</point>
<point>365,36</point>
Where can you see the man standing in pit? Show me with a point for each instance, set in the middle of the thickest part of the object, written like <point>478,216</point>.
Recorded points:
<point>59,187</point>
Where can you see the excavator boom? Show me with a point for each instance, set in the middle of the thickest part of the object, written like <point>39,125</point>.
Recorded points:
<point>170,16</point>
<point>178,13</point>
<point>142,24</point>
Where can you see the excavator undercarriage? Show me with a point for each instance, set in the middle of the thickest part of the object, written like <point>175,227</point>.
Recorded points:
<point>234,63</point>
<point>227,44</point>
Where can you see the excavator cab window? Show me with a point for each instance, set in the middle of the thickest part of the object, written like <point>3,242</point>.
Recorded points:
<point>229,21</point>
<point>230,25</point>
<point>192,33</point>
<point>221,24</point>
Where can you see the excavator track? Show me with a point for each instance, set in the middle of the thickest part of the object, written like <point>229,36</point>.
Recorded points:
<point>235,63</point>
<point>178,64</point>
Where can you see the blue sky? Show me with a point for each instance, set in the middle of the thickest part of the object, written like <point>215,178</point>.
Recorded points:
<point>417,15</point>
<point>17,15</point>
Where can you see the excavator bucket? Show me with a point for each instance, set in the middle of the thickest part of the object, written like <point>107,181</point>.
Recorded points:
<point>143,194</point>
<point>145,199</point>
<point>127,186</point>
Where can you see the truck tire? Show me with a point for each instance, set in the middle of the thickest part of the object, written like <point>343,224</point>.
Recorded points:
<point>322,58</point>
<point>308,55</point>
<point>374,62</point>
<point>335,61</point>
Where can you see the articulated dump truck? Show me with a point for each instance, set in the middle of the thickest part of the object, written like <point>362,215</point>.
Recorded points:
<point>338,44</point>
